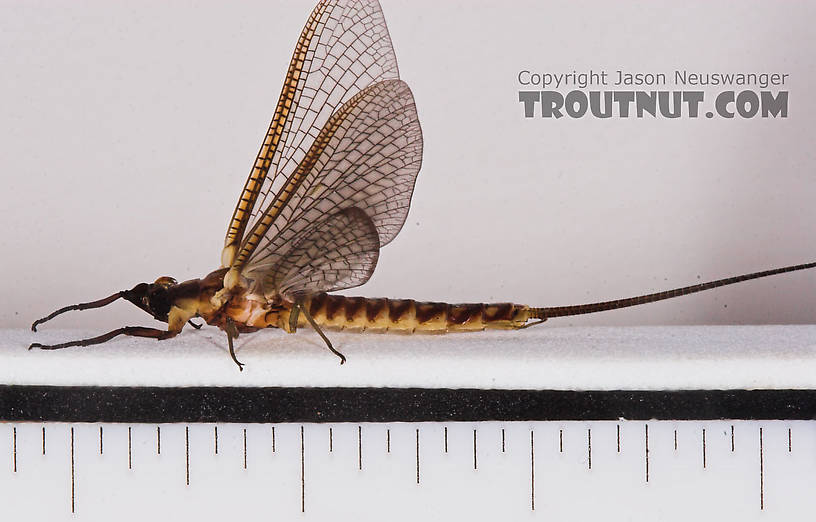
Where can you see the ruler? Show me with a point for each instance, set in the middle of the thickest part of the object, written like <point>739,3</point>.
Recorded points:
<point>562,470</point>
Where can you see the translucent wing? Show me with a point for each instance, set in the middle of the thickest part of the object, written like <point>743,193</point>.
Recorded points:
<point>367,156</point>
<point>343,48</point>
<point>341,252</point>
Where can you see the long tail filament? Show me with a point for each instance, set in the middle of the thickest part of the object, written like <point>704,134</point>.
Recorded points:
<point>563,311</point>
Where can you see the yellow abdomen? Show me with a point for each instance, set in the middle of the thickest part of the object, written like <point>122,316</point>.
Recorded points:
<point>409,316</point>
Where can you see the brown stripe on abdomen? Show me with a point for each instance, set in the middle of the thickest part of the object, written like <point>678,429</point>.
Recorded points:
<point>335,306</point>
<point>499,312</point>
<point>316,303</point>
<point>407,315</point>
<point>466,316</point>
<point>401,310</point>
<point>375,309</point>
<point>353,307</point>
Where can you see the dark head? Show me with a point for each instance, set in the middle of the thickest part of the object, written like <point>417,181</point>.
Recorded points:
<point>153,298</point>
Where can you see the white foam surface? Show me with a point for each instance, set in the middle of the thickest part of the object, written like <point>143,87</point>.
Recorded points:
<point>571,358</point>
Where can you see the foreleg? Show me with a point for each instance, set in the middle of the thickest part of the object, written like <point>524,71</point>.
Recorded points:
<point>135,331</point>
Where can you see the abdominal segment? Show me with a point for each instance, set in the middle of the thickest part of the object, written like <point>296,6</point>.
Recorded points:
<point>409,316</point>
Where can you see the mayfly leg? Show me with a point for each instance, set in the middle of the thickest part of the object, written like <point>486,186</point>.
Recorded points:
<point>232,332</point>
<point>135,331</point>
<point>300,308</point>
<point>81,306</point>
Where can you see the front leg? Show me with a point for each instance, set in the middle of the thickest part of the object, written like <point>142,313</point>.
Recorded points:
<point>135,331</point>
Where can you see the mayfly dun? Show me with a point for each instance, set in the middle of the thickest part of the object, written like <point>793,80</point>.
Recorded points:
<point>330,186</point>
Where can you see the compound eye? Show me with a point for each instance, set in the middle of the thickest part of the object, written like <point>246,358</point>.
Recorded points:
<point>158,302</point>
<point>165,281</point>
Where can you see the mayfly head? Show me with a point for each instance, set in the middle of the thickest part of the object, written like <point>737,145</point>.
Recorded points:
<point>154,298</point>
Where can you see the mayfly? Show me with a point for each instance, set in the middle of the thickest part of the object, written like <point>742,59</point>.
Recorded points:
<point>330,186</point>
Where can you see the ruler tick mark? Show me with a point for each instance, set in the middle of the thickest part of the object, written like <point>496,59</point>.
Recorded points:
<point>704,449</point>
<point>532,471</point>
<point>675,440</point>
<point>647,453</point>
<point>360,448</point>
<point>43,439</point>
<point>789,440</point>
<point>302,474</point>
<point>388,441</point>
<point>331,442</point>
<point>761,474</point>
<point>474,449</point>
<point>73,474</point>
<point>130,450</point>
<point>273,439</point>
<point>561,441</point>
<point>14,448</point>
<point>100,440</point>
<point>732,438</point>
<point>245,450</point>
<point>446,439</point>
<point>618,434</point>
<point>417,455</point>
<point>589,448</point>
<point>158,440</point>
<point>215,438</point>
<point>502,440</point>
<point>187,453</point>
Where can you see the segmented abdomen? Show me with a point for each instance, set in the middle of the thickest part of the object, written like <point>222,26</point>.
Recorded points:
<point>407,315</point>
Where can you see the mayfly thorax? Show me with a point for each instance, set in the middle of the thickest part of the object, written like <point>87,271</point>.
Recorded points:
<point>315,211</point>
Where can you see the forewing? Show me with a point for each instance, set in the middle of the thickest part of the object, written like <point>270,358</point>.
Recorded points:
<point>338,253</point>
<point>343,48</point>
<point>367,156</point>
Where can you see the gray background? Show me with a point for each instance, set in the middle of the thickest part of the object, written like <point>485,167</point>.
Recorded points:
<point>128,131</point>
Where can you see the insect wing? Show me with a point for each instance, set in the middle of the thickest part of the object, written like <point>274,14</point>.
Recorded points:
<point>343,48</point>
<point>367,156</point>
<point>340,252</point>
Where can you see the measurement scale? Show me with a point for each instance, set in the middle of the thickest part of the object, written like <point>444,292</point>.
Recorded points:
<point>548,470</point>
